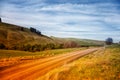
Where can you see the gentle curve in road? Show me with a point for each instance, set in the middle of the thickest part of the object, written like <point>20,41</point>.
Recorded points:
<point>35,69</point>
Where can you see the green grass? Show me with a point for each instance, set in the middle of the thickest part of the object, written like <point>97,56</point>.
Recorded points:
<point>15,53</point>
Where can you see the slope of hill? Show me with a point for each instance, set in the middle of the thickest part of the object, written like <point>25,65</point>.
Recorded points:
<point>12,35</point>
<point>21,38</point>
<point>79,42</point>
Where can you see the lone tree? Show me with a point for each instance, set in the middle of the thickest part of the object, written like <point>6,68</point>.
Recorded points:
<point>109,41</point>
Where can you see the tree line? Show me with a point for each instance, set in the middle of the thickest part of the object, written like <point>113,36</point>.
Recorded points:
<point>40,47</point>
<point>31,29</point>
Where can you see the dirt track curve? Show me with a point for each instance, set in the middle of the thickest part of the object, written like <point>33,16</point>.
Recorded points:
<point>35,69</point>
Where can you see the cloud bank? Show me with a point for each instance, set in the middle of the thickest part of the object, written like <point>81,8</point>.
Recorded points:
<point>89,19</point>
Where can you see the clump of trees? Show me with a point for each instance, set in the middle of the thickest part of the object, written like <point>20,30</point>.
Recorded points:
<point>32,47</point>
<point>38,47</point>
<point>109,41</point>
<point>35,31</point>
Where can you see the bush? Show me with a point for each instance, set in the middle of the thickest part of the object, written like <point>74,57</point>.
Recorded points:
<point>2,46</point>
<point>35,31</point>
<point>22,29</point>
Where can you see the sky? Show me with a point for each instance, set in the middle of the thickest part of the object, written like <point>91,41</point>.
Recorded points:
<point>84,19</point>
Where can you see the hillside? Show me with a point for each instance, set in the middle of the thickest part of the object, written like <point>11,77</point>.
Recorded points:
<point>21,38</point>
<point>13,35</point>
<point>79,42</point>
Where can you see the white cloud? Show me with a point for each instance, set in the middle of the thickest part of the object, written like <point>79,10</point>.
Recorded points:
<point>57,18</point>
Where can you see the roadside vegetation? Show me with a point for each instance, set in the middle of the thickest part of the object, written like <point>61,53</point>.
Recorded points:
<point>15,53</point>
<point>101,65</point>
<point>13,57</point>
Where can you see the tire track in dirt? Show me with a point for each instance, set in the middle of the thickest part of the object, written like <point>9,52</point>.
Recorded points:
<point>33,70</point>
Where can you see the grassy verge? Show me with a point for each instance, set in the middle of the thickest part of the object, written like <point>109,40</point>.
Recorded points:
<point>15,53</point>
<point>101,65</point>
<point>13,57</point>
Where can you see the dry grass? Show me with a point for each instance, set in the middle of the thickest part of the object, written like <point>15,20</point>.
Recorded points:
<point>12,57</point>
<point>101,65</point>
<point>16,53</point>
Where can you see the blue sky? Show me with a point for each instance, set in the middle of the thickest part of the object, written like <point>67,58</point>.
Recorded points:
<point>86,19</point>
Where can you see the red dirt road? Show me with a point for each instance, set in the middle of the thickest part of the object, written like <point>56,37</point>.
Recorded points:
<point>35,69</point>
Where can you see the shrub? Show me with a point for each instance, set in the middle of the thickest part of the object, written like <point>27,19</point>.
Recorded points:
<point>35,31</point>
<point>0,20</point>
<point>32,29</point>
<point>2,46</point>
<point>22,29</point>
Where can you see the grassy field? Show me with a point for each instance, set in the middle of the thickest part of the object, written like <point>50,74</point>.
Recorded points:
<point>101,65</point>
<point>12,57</point>
<point>15,53</point>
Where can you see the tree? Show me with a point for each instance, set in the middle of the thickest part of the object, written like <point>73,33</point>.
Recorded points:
<point>21,28</point>
<point>0,20</point>
<point>2,46</point>
<point>32,29</point>
<point>38,32</point>
<point>109,41</point>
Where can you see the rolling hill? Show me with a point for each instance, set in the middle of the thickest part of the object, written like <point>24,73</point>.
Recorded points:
<point>18,37</point>
<point>12,35</point>
<point>79,42</point>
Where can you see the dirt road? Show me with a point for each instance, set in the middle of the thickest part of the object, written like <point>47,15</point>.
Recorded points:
<point>34,69</point>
